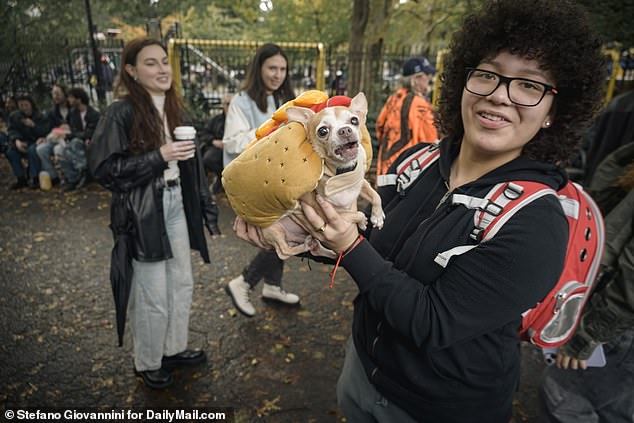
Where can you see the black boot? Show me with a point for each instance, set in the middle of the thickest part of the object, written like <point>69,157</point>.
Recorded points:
<point>20,183</point>
<point>186,358</point>
<point>155,379</point>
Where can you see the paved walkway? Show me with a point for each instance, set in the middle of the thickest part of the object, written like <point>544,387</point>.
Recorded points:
<point>58,344</point>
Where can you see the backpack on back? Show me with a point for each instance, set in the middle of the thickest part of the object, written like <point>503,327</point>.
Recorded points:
<point>553,320</point>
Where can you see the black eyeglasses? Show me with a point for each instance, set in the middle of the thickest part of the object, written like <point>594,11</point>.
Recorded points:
<point>521,91</point>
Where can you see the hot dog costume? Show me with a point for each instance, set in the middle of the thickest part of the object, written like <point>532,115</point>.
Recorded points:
<point>266,180</point>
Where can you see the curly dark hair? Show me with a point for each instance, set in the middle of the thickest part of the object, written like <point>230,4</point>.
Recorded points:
<point>558,35</point>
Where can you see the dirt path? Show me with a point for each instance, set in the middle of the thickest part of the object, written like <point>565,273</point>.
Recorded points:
<point>58,344</point>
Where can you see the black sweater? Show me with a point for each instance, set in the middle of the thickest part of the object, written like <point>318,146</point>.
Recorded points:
<point>443,344</point>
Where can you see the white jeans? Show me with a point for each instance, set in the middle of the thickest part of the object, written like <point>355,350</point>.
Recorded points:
<point>161,296</point>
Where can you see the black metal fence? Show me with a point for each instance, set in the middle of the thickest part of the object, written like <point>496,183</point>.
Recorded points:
<point>209,73</point>
<point>75,67</point>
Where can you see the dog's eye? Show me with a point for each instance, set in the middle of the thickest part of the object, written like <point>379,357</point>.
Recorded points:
<point>354,120</point>
<point>322,132</point>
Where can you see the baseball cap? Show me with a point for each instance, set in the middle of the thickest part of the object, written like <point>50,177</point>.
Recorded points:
<point>415,65</point>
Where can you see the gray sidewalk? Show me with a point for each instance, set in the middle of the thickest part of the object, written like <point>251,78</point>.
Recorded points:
<point>58,345</point>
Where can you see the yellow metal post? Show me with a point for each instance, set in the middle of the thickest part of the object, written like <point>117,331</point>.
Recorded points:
<point>320,83</point>
<point>174,60</point>
<point>615,55</point>
<point>437,83</point>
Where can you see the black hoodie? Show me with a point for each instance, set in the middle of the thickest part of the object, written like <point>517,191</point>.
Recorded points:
<point>443,343</point>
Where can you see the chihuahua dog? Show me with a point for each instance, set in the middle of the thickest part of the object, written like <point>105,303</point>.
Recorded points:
<point>335,134</point>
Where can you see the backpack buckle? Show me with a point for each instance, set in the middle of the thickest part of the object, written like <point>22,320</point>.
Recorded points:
<point>513,191</point>
<point>476,234</point>
<point>493,209</point>
<point>402,182</point>
<point>404,178</point>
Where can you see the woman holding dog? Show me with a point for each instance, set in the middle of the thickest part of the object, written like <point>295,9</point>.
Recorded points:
<point>266,87</point>
<point>441,344</point>
<point>160,198</point>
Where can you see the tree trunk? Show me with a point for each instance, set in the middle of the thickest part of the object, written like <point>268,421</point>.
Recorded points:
<point>360,13</point>
<point>379,17</point>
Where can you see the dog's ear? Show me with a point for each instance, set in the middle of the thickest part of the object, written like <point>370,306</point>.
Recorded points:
<point>299,114</point>
<point>359,106</point>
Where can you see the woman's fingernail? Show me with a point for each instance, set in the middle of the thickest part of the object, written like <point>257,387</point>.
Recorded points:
<point>320,198</point>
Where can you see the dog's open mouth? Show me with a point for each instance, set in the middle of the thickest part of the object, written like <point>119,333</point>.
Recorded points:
<point>348,151</point>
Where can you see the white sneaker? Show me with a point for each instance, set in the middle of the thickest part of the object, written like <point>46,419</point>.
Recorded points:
<point>238,290</point>
<point>274,292</point>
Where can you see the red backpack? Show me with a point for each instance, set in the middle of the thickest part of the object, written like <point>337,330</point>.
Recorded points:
<point>553,320</point>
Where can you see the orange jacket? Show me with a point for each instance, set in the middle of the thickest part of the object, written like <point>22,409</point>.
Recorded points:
<point>388,128</point>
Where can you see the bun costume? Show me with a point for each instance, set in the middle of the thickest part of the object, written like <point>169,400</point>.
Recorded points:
<point>265,181</point>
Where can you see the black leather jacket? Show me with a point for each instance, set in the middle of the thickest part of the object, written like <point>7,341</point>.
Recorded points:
<point>136,182</point>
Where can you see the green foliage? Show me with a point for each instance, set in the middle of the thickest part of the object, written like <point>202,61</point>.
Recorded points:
<point>226,25</point>
<point>613,19</point>
<point>38,26</point>
<point>36,32</point>
<point>133,12</point>
<point>325,21</point>
<point>427,25</point>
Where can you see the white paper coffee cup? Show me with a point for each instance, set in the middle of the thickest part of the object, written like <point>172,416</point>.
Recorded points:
<point>185,133</point>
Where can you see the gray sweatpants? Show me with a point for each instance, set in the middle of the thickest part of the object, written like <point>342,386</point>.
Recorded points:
<point>358,398</point>
<point>161,296</point>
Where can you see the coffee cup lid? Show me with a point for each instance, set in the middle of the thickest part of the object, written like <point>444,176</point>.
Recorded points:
<point>184,131</point>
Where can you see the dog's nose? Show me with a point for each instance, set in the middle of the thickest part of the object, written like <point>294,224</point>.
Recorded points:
<point>345,132</point>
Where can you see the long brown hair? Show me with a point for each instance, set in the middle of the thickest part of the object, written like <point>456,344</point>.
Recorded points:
<point>147,128</point>
<point>254,85</point>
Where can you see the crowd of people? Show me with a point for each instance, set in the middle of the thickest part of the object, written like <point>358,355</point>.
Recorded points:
<point>37,144</point>
<point>521,85</point>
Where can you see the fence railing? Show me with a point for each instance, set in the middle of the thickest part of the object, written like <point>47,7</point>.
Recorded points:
<point>75,67</point>
<point>206,70</point>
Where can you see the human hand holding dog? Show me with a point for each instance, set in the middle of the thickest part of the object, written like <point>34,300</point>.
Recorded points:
<point>332,230</point>
<point>250,233</point>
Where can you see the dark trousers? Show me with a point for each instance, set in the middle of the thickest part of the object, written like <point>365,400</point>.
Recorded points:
<point>212,159</point>
<point>265,265</point>
<point>15,159</point>
<point>596,395</point>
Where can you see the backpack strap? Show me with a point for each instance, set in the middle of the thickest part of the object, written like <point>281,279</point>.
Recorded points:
<point>498,206</point>
<point>522,194</point>
<point>411,167</point>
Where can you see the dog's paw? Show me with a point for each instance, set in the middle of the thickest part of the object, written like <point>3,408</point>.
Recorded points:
<point>362,222</point>
<point>318,250</point>
<point>378,219</point>
<point>285,251</point>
